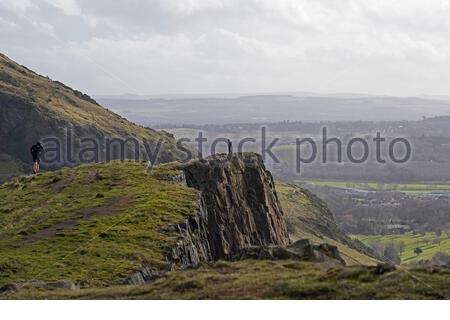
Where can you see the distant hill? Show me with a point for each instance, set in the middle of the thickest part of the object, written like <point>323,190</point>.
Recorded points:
<point>33,106</point>
<point>273,108</point>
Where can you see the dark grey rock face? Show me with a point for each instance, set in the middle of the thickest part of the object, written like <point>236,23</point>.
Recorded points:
<point>145,275</point>
<point>302,250</point>
<point>238,209</point>
<point>193,245</point>
<point>240,205</point>
<point>239,216</point>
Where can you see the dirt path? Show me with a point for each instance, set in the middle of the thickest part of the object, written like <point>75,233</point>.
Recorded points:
<point>110,207</point>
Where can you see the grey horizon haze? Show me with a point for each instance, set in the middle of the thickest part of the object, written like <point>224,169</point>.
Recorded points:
<point>152,47</point>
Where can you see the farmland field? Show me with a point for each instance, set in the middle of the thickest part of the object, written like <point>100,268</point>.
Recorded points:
<point>427,242</point>
<point>375,186</point>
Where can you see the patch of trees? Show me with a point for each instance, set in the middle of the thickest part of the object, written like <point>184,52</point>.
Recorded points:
<point>387,212</point>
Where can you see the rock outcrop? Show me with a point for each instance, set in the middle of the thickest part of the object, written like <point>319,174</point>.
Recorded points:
<point>302,250</point>
<point>239,215</point>
<point>240,207</point>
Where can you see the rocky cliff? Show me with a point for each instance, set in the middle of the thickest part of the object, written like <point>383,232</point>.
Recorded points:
<point>241,216</point>
<point>240,206</point>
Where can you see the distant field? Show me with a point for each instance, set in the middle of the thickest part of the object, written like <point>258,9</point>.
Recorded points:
<point>406,187</point>
<point>182,132</point>
<point>411,241</point>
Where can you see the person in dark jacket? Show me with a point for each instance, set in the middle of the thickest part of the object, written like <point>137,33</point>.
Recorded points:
<point>230,147</point>
<point>36,151</point>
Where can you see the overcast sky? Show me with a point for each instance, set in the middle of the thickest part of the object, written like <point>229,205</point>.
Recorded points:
<point>399,47</point>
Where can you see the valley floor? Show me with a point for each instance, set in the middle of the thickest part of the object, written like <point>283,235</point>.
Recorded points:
<point>409,188</point>
<point>429,243</point>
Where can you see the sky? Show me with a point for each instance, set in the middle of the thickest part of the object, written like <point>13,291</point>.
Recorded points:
<point>105,47</point>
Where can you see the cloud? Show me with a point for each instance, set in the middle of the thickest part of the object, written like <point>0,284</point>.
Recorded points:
<point>71,8</point>
<point>204,46</point>
<point>189,7</point>
<point>7,25</point>
<point>19,6</point>
<point>44,27</point>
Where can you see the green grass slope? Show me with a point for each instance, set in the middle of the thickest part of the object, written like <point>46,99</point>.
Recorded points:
<point>272,280</point>
<point>94,224</point>
<point>308,218</point>
<point>97,224</point>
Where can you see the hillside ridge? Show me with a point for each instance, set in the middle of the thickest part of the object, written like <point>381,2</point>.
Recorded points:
<point>34,107</point>
<point>114,223</point>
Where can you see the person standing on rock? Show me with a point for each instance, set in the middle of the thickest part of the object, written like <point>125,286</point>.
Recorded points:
<point>230,147</point>
<point>36,151</point>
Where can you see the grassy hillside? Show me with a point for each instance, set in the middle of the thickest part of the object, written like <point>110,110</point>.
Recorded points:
<point>33,107</point>
<point>62,101</point>
<point>273,280</point>
<point>309,218</point>
<point>95,224</point>
<point>426,242</point>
